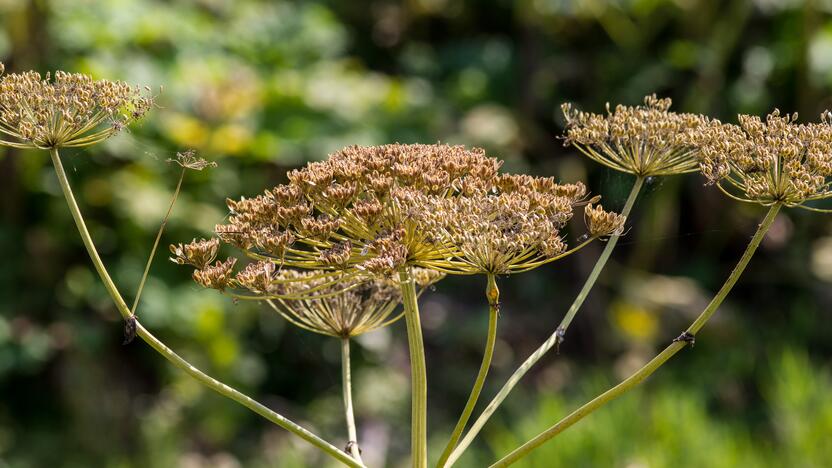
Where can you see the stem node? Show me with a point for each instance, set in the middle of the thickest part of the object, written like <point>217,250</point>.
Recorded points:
<point>686,337</point>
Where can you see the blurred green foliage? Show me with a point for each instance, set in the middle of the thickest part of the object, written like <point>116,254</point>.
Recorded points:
<point>264,86</point>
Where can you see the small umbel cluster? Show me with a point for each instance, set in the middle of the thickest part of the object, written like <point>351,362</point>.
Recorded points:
<point>340,308</point>
<point>65,110</point>
<point>375,210</point>
<point>646,141</point>
<point>771,161</point>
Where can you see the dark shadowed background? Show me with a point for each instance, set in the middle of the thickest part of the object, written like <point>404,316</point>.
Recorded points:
<point>264,86</point>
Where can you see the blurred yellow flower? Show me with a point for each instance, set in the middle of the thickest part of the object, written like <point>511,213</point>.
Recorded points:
<point>230,139</point>
<point>185,130</point>
<point>635,322</point>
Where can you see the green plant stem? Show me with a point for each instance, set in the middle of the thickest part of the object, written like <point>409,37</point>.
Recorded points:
<point>156,242</point>
<point>493,295</point>
<point>352,433</point>
<point>418,372</point>
<point>166,352</point>
<point>553,339</point>
<point>657,361</point>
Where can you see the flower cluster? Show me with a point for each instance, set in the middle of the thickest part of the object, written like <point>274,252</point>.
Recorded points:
<point>647,140</point>
<point>341,308</point>
<point>771,161</point>
<point>378,209</point>
<point>67,110</point>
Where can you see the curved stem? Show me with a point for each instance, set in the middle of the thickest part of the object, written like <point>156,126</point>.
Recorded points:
<point>168,354</point>
<point>418,371</point>
<point>555,338</point>
<point>657,361</point>
<point>346,378</point>
<point>493,295</point>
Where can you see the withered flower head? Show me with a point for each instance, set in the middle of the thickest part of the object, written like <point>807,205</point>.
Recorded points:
<point>217,276</point>
<point>771,161</point>
<point>67,110</point>
<point>381,208</point>
<point>647,140</point>
<point>503,232</point>
<point>198,253</point>
<point>603,223</point>
<point>189,160</point>
<point>343,308</point>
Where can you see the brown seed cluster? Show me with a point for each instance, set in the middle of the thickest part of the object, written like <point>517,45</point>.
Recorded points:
<point>67,110</point>
<point>217,276</point>
<point>197,253</point>
<point>603,223</point>
<point>343,308</point>
<point>378,209</point>
<point>771,161</point>
<point>647,140</point>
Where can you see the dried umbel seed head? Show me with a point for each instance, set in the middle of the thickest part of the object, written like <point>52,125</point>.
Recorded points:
<point>510,228</point>
<point>503,233</point>
<point>771,161</point>
<point>217,276</point>
<point>67,110</point>
<point>603,223</point>
<point>189,160</point>
<point>647,140</point>
<point>343,308</point>
<point>361,208</point>
<point>379,209</point>
<point>198,253</point>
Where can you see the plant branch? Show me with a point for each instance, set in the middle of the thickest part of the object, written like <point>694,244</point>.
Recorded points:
<point>168,354</point>
<point>156,242</point>
<point>555,338</point>
<point>493,295</point>
<point>418,371</point>
<point>657,361</point>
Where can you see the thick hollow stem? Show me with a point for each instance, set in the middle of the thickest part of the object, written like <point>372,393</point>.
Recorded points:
<point>493,295</point>
<point>657,361</point>
<point>418,371</point>
<point>168,354</point>
<point>352,433</point>
<point>556,336</point>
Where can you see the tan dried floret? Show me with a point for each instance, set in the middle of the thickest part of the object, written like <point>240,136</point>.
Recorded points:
<point>771,161</point>
<point>647,140</point>
<point>338,256</point>
<point>257,277</point>
<point>67,110</point>
<point>198,253</point>
<point>603,223</point>
<point>216,276</point>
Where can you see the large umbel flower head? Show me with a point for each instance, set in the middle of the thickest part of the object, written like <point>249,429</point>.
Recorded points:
<point>67,110</point>
<point>646,141</point>
<point>771,161</point>
<point>375,210</point>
